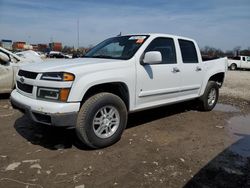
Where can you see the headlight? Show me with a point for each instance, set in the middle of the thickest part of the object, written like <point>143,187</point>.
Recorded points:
<point>53,93</point>
<point>58,76</point>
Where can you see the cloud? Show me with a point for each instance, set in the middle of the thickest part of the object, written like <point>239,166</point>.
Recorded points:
<point>222,24</point>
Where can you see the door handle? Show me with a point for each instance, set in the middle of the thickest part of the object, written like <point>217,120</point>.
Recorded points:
<point>198,69</point>
<point>175,70</point>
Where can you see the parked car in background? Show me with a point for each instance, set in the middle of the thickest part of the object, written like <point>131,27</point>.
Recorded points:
<point>56,54</point>
<point>30,55</point>
<point>121,75</point>
<point>10,63</point>
<point>239,62</point>
<point>42,55</point>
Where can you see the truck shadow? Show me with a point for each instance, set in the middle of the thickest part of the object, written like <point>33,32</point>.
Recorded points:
<point>49,137</point>
<point>54,138</point>
<point>5,96</point>
<point>230,168</point>
<point>146,116</point>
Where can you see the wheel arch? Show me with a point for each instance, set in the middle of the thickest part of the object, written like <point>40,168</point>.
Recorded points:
<point>217,77</point>
<point>118,88</point>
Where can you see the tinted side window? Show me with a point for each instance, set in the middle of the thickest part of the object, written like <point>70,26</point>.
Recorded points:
<point>236,58</point>
<point>166,47</point>
<point>188,51</point>
<point>243,58</point>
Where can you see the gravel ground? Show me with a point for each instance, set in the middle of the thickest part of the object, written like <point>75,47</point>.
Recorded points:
<point>174,146</point>
<point>237,84</point>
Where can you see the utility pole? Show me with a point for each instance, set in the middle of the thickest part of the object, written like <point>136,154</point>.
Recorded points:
<point>78,33</point>
<point>51,39</point>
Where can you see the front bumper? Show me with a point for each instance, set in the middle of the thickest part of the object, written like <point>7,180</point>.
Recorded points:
<point>49,113</point>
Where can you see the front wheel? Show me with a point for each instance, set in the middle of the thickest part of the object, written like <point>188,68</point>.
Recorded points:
<point>210,96</point>
<point>101,120</point>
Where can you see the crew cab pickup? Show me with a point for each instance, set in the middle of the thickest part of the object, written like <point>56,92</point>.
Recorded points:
<point>120,75</point>
<point>239,62</point>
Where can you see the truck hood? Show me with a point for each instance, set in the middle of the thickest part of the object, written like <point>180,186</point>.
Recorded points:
<point>70,65</point>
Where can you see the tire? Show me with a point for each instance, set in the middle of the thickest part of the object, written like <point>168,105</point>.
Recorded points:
<point>101,120</point>
<point>210,97</point>
<point>233,66</point>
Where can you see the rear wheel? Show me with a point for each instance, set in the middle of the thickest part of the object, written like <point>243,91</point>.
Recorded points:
<point>101,120</point>
<point>210,96</point>
<point>233,66</point>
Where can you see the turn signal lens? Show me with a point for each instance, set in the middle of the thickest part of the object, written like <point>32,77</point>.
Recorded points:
<point>68,77</point>
<point>64,93</point>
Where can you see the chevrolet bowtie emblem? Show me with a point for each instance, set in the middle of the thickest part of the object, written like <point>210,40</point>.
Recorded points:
<point>22,79</point>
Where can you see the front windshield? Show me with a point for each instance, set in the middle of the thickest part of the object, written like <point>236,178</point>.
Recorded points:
<point>122,47</point>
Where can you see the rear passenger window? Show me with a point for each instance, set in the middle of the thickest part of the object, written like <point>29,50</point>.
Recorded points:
<point>236,58</point>
<point>188,51</point>
<point>166,47</point>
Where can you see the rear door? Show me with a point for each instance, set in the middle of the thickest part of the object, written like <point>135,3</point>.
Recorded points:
<point>191,69</point>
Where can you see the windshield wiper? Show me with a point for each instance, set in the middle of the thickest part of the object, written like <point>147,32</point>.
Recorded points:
<point>102,56</point>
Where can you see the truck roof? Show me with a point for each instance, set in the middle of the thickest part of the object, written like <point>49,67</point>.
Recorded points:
<point>159,35</point>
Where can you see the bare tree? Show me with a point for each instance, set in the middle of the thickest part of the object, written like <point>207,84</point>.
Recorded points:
<point>212,52</point>
<point>237,50</point>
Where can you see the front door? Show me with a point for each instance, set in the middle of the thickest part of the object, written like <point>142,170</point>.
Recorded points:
<point>158,83</point>
<point>245,64</point>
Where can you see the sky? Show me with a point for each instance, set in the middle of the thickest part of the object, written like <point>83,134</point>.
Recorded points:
<point>222,24</point>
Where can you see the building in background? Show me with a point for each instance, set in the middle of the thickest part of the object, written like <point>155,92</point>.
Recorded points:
<point>34,47</point>
<point>55,46</point>
<point>18,46</point>
<point>43,48</point>
<point>22,45</point>
<point>7,44</point>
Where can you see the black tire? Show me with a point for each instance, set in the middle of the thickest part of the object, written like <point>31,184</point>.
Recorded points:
<point>85,127</point>
<point>206,103</point>
<point>233,66</point>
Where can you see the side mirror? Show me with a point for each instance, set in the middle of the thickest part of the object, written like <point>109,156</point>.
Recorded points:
<point>152,57</point>
<point>4,59</point>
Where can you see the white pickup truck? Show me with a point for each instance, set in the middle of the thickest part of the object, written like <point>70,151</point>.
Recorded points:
<point>239,62</point>
<point>120,75</point>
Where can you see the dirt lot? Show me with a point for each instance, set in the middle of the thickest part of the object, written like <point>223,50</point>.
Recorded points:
<point>174,146</point>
